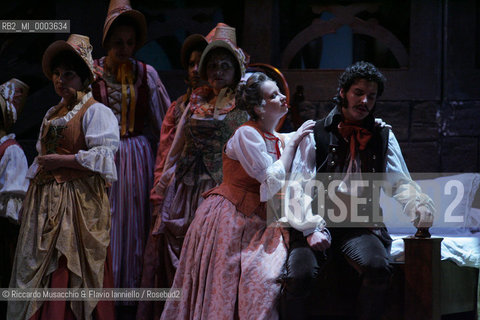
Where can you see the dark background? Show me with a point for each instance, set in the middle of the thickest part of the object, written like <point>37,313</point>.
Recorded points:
<point>429,51</point>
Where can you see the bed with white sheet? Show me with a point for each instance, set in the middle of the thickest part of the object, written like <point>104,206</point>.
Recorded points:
<point>457,224</point>
<point>437,277</point>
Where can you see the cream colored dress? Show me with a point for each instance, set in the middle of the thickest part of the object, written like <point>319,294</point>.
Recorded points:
<point>69,218</point>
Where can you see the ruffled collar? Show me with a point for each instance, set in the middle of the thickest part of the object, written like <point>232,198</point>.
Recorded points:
<point>7,137</point>
<point>200,106</point>
<point>64,119</point>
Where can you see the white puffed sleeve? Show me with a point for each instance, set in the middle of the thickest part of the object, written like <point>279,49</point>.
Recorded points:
<point>248,147</point>
<point>296,206</point>
<point>13,182</point>
<point>406,191</point>
<point>102,138</point>
<point>159,100</point>
<point>305,158</point>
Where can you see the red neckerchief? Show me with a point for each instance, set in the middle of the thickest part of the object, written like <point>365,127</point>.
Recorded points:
<point>357,136</point>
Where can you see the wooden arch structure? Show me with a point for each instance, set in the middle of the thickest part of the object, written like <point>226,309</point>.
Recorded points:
<point>345,16</point>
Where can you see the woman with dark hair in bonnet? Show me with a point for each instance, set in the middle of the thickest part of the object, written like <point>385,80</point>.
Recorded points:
<point>65,223</point>
<point>158,270</point>
<point>194,162</point>
<point>137,97</point>
<point>231,261</point>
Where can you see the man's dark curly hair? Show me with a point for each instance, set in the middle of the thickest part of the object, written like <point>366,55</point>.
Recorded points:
<point>359,70</point>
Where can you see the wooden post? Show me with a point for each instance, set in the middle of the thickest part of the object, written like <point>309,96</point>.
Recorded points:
<point>422,278</point>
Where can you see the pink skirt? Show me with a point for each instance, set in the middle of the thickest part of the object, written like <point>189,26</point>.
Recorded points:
<point>162,251</point>
<point>229,267</point>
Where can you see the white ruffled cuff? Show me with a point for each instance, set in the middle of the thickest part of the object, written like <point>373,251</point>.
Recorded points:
<point>410,196</point>
<point>411,207</point>
<point>297,210</point>
<point>100,160</point>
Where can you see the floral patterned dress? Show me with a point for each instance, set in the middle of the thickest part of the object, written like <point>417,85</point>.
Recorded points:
<point>194,165</point>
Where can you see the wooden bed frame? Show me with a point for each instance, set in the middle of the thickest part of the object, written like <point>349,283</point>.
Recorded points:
<point>423,287</point>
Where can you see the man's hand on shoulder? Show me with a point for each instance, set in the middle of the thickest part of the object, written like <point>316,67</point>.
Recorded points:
<point>382,124</point>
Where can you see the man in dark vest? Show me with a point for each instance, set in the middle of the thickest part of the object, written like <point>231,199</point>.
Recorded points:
<point>350,142</point>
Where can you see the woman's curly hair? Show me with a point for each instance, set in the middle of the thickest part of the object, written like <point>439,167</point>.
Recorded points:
<point>249,93</point>
<point>357,71</point>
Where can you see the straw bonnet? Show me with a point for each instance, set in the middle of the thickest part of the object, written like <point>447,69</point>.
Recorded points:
<point>122,8</point>
<point>191,42</point>
<point>223,37</point>
<point>13,95</point>
<point>76,43</point>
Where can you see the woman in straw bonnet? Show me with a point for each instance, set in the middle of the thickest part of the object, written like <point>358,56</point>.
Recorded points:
<point>138,99</point>
<point>65,223</point>
<point>194,162</point>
